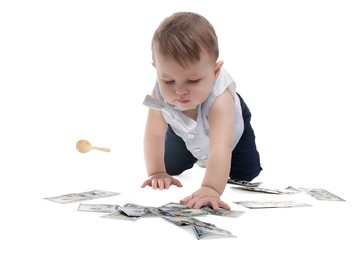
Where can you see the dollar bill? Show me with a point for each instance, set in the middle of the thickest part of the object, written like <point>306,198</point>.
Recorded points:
<point>223,212</point>
<point>104,208</point>
<point>131,211</point>
<point>271,204</point>
<point>204,231</point>
<point>321,194</point>
<point>180,210</point>
<point>187,212</point>
<point>200,228</point>
<point>261,189</point>
<point>145,211</point>
<point>174,205</point>
<point>119,214</point>
<point>76,197</point>
<point>244,183</point>
<point>134,212</point>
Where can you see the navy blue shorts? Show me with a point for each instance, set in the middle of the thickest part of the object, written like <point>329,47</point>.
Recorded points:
<point>245,161</point>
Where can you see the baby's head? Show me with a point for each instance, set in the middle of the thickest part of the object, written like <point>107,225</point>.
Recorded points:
<point>185,37</point>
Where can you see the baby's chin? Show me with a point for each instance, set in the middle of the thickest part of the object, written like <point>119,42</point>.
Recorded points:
<point>184,108</point>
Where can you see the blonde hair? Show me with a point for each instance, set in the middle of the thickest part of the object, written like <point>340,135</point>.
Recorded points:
<point>184,36</point>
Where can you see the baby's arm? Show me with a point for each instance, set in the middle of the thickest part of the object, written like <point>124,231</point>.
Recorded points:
<point>154,137</point>
<point>221,125</point>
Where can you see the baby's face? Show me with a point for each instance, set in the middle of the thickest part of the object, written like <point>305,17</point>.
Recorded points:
<point>185,88</point>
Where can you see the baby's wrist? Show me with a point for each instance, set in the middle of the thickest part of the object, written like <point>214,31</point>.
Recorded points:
<point>212,188</point>
<point>154,173</point>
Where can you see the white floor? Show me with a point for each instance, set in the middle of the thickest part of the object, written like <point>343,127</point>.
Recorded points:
<point>43,229</point>
<point>76,69</point>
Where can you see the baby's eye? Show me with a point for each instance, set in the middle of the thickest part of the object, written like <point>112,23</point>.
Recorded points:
<point>169,82</point>
<point>193,81</point>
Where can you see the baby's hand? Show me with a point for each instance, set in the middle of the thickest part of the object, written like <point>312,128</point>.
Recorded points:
<point>161,180</point>
<point>205,196</point>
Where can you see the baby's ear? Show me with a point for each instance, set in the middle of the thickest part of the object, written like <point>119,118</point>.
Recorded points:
<point>218,68</point>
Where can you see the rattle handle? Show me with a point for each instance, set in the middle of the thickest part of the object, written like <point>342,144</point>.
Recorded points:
<point>102,149</point>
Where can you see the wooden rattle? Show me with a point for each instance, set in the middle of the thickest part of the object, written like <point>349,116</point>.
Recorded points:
<point>84,146</point>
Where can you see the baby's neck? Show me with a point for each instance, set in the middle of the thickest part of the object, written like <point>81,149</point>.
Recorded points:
<point>192,113</point>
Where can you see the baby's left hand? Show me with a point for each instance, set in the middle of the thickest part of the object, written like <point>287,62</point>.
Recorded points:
<point>205,196</point>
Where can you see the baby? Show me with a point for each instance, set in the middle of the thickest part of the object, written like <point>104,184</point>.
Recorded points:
<point>196,116</point>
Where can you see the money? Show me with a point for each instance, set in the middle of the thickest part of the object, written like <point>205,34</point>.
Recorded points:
<point>176,213</point>
<point>76,197</point>
<point>200,228</point>
<point>223,212</point>
<point>119,214</point>
<point>104,208</point>
<point>144,211</point>
<point>180,210</point>
<point>244,183</point>
<point>131,211</point>
<point>321,194</point>
<point>259,189</point>
<point>171,209</point>
<point>271,204</point>
<point>134,212</point>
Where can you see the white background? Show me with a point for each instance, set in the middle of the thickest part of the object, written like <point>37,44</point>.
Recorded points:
<point>73,70</point>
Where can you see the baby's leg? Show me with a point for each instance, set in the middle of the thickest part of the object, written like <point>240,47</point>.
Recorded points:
<point>177,158</point>
<point>245,161</point>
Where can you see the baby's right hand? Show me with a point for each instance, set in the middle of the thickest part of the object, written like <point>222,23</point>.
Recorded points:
<point>161,180</point>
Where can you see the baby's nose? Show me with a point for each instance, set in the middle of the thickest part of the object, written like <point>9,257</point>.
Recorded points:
<point>181,90</point>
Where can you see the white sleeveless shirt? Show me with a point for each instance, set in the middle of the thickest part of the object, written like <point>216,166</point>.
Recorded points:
<point>196,133</point>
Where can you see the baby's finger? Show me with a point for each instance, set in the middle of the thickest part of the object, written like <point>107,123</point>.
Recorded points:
<point>176,182</point>
<point>146,183</point>
<point>224,205</point>
<point>161,184</point>
<point>155,184</point>
<point>195,203</point>
<point>167,183</point>
<point>186,200</point>
<point>214,205</point>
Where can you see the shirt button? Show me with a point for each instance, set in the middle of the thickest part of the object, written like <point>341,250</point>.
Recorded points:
<point>196,150</point>
<point>190,136</point>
